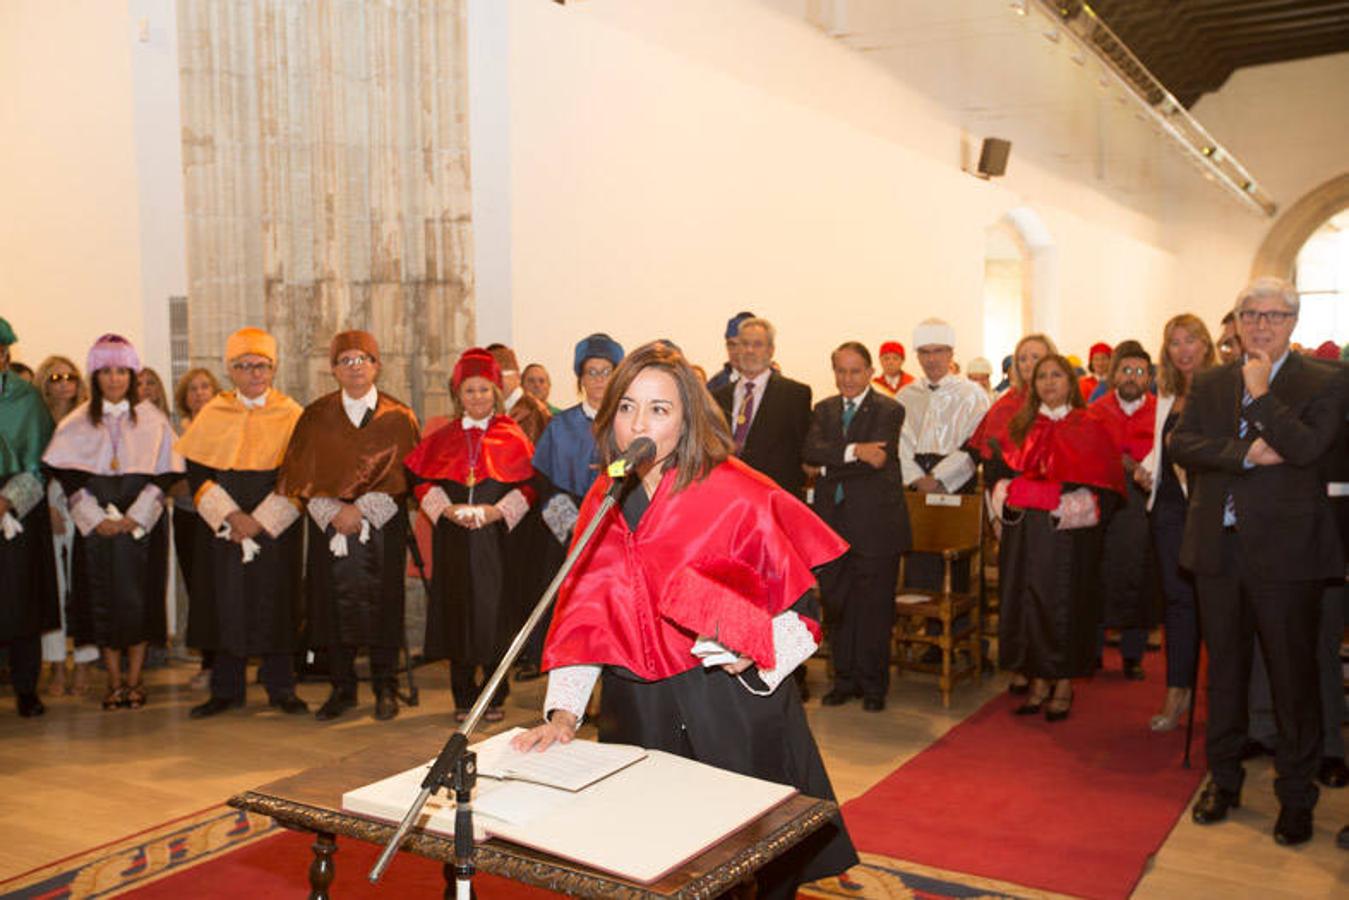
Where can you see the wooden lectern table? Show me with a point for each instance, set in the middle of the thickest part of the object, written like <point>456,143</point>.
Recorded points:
<point>312,801</point>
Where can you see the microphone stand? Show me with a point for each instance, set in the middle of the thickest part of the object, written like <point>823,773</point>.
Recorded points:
<point>456,768</point>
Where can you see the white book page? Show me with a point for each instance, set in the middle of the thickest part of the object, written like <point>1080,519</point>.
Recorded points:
<point>571,766</point>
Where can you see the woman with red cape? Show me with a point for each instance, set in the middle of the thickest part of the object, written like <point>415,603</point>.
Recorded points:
<point>472,480</point>
<point>702,554</point>
<point>1055,484</point>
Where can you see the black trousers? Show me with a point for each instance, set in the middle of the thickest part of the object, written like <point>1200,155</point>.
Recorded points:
<point>227,675</point>
<point>860,598</point>
<point>1182,618</point>
<point>465,686</point>
<point>1233,608</point>
<point>25,663</point>
<point>342,668</point>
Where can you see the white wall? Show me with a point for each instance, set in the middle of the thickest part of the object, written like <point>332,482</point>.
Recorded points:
<point>70,235</point>
<point>673,163</point>
<point>1287,122</point>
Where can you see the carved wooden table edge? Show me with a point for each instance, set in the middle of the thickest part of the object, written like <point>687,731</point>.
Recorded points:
<point>551,873</point>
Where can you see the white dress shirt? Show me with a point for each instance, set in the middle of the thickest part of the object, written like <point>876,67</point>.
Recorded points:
<point>357,408</point>
<point>759,381</point>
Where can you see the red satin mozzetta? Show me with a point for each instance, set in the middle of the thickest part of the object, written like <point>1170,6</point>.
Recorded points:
<point>718,559</point>
<point>444,455</point>
<point>994,425</point>
<point>1076,449</point>
<point>1132,434</point>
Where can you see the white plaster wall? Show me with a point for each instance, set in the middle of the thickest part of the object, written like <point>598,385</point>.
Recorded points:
<point>70,236</point>
<point>672,164</point>
<point>1288,123</point>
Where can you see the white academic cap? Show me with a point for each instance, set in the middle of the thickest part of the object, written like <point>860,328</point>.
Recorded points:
<point>979,366</point>
<point>933,332</point>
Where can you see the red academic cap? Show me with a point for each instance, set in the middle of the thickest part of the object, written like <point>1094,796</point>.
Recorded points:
<point>893,347</point>
<point>475,362</point>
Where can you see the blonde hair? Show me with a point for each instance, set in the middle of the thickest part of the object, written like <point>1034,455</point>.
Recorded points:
<point>43,379</point>
<point>1170,381</point>
<point>1014,374</point>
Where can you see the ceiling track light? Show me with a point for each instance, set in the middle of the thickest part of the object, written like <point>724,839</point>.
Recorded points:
<point>1118,64</point>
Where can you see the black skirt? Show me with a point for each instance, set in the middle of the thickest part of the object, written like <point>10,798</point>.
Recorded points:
<point>1050,594</point>
<point>1130,585</point>
<point>709,716</point>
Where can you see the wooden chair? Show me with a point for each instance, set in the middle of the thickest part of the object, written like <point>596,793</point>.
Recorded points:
<point>951,526</point>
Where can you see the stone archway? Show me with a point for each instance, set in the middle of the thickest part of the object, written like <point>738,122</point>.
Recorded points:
<point>1278,253</point>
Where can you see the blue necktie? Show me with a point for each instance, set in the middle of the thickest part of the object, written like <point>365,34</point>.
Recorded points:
<point>849,410</point>
<point>1230,504</point>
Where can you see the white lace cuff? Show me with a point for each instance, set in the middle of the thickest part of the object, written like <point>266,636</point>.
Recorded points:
<point>214,505</point>
<point>793,644</point>
<point>513,507</point>
<point>1077,509</point>
<point>377,508</point>
<point>560,515</point>
<point>147,509</point>
<point>323,510</point>
<point>86,512</point>
<point>435,502</point>
<point>9,526</point>
<point>569,689</point>
<point>275,514</point>
<point>23,491</point>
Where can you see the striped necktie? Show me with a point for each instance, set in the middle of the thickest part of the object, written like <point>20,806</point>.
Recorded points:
<point>1230,504</point>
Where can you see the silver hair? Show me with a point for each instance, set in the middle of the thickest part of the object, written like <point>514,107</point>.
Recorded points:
<point>766,325</point>
<point>1269,286</point>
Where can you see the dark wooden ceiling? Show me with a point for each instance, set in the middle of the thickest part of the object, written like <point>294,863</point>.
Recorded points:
<point>1192,46</point>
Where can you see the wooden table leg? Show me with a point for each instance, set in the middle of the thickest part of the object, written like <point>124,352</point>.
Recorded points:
<point>322,870</point>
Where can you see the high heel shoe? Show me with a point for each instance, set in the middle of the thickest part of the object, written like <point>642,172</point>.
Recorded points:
<point>1058,707</point>
<point>1019,688</point>
<point>1173,711</point>
<point>1034,703</point>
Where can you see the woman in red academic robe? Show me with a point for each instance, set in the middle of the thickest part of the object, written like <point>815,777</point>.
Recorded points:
<point>472,479</point>
<point>1055,484</point>
<point>991,440</point>
<point>701,547</point>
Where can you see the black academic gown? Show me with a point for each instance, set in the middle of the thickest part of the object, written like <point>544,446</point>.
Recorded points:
<point>708,715</point>
<point>357,599</point>
<point>473,625</point>
<point>243,609</point>
<point>28,589</point>
<point>1130,585</point>
<point>117,584</point>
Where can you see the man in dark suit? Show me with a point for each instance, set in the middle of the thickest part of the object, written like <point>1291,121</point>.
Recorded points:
<point>854,438</point>
<point>769,413</point>
<point>1261,541</point>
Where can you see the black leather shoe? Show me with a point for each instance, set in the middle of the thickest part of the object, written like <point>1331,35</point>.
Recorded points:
<point>214,707</point>
<point>873,704</point>
<point>1133,670</point>
<point>1342,839</point>
<point>1213,804</point>
<point>1293,827</point>
<point>1334,773</point>
<point>386,705</point>
<point>338,702</point>
<point>837,697</point>
<point>290,704</point>
<point>30,705</point>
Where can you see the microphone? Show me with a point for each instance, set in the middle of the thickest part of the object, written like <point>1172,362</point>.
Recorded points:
<point>639,453</point>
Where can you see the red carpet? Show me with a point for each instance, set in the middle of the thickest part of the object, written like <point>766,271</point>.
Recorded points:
<point>278,867</point>
<point>1076,807</point>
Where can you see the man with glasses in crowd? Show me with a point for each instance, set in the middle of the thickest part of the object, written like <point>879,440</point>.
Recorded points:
<point>1261,540</point>
<point>345,460</point>
<point>247,578</point>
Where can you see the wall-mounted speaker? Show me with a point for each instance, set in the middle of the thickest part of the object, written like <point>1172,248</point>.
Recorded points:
<point>993,157</point>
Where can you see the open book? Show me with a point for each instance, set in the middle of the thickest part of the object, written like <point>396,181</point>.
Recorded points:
<point>570,766</point>
<point>651,813</point>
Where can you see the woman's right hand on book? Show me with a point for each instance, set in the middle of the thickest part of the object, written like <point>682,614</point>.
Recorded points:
<point>560,728</point>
